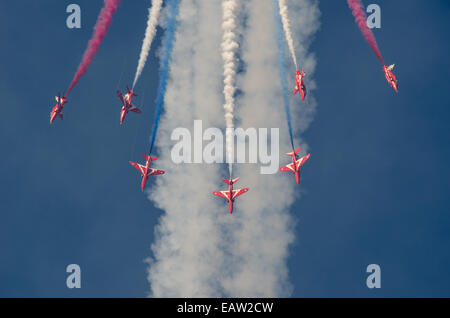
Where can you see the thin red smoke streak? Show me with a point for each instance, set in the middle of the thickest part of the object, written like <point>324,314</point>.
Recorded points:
<point>100,29</point>
<point>361,21</point>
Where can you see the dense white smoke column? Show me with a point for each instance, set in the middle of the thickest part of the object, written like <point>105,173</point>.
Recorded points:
<point>188,259</point>
<point>200,250</point>
<point>152,22</point>
<point>229,48</point>
<point>284,12</point>
<point>264,227</point>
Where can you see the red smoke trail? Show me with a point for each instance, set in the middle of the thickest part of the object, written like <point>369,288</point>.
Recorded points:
<point>360,19</point>
<point>101,27</point>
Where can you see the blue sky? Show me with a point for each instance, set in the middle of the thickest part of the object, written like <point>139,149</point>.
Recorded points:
<point>376,186</point>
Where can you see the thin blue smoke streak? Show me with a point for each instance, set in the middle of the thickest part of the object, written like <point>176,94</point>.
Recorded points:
<point>168,43</point>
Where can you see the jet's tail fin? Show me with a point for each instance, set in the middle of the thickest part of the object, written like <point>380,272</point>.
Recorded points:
<point>131,92</point>
<point>391,67</point>
<point>230,180</point>
<point>149,158</point>
<point>293,153</point>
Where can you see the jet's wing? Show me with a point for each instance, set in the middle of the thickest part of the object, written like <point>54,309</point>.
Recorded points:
<point>155,172</point>
<point>301,161</point>
<point>222,194</point>
<point>138,167</point>
<point>120,96</point>
<point>238,192</point>
<point>135,109</point>
<point>289,167</point>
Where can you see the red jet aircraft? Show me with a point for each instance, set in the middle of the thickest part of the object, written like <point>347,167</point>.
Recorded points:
<point>230,195</point>
<point>126,104</point>
<point>57,110</point>
<point>146,171</point>
<point>390,77</point>
<point>296,164</point>
<point>300,85</point>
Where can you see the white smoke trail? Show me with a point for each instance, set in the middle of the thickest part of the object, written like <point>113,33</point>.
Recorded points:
<point>284,12</point>
<point>152,22</point>
<point>264,227</point>
<point>200,250</point>
<point>229,48</point>
<point>188,260</point>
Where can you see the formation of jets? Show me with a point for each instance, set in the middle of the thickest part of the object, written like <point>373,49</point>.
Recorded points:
<point>145,170</point>
<point>390,77</point>
<point>127,105</point>
<point>230,195</point>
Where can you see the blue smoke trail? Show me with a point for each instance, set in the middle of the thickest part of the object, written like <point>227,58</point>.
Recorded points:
<point>282,66</point>
<point>168,42</point>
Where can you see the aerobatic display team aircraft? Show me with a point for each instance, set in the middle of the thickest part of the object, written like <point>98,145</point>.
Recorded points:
<point>299,84</point>
<point>296,164</point>
<point>390,77</point>
<point>145,170</point>
<point>127,105</point>
<point>230,195</point>
<point>57,110</point>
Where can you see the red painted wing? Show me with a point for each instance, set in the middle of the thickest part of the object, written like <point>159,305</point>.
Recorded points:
<point>239,192</point>
<point>302,160</point>
<point>137,166</point>
<point>303,91</point>
<point>120,97</point>
<point>155,172</point>
<point>135,109</point>
<point>289,167</point>
<point>222,194</point>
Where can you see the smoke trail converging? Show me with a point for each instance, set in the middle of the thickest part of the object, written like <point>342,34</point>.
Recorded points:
<point>153,16</point>
<point>168,43</point>
<point>283,8</point>
<point>200,250</point>
<point>361,20</point>
<point>229,48</point>
<point>187,258</point>
<point>282,65</point>
<point>264,226</point>
<point>100,29</point>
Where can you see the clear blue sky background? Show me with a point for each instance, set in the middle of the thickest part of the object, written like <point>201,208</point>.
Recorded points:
<point>377,186</point>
